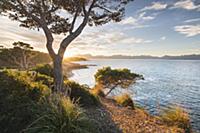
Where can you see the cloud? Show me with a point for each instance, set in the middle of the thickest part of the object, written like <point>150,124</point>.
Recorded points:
<point>192,20</point>
<point>129,21</point>
<point>133,40</point>
<point>155,6</point>
<point>138,20</point>
<point>163,38</point>
<point>107,38</point>
<point>143,16</point>
<point>188,30</point>
<point>186,4</point>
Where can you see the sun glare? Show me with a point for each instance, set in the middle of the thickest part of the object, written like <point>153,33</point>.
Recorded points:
<point>70,53</point>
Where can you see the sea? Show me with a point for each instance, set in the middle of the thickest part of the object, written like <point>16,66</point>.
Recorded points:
<point>167,83</point>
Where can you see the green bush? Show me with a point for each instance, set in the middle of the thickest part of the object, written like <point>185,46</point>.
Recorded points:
<point>122,77</point>
<point>44,79</point>
<point>124,100</point>
<point>18,94</point>
<point>112,78</point>
<point>29,106</point>
<point>44,69</point>
<point>176,116</point>
<point>81,93</point>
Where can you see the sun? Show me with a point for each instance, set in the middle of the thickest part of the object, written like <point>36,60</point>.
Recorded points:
<point>70,53</point>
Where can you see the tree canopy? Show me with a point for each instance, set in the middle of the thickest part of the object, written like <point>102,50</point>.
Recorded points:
<point>62,16</point>
<point>111,78</point>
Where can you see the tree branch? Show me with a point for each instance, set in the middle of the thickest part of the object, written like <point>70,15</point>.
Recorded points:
<point>111,89</point>
<point>49,39</point>
<point>42,23</point>
<point>76,33</point>
<point>74,20</point>
<point>101,7</point>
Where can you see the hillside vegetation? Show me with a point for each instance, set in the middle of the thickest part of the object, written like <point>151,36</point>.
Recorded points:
<point>27,104</point>
<point>21,56</point>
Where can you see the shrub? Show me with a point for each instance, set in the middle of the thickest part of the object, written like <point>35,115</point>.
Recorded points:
<point>59,114</point>
<point>28,106</point>
<point>124,100</point>
<point>81,93</point>
<point>18,94</point>
<point>111,78</point>
<point>176,116</point>
<point>44,79</point>
<point>45,69</point>
<point>97,91</point>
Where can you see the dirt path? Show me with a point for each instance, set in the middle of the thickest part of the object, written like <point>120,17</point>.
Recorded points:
<point>111,118</point>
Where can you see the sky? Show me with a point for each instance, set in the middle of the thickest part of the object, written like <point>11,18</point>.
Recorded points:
<point>150,27</point>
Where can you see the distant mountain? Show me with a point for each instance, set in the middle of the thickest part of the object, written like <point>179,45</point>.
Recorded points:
<point>167,57</point>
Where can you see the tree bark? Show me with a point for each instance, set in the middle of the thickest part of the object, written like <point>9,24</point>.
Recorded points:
<point>58,73</point>
<point>111,89</point>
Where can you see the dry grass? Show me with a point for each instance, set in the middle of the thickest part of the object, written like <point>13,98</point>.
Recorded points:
<point>124,100</point>
<point>176,116</point>
<point>97,91</point>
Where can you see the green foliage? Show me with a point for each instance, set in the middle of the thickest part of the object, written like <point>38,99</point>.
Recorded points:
<point>110,77</point>
<point>18,96</point>
<point>22,45</point>
<point>176,116</point>
<point>124,100</point>
<point>44,69</point>
<point>59,114</point>
<point>27,105</point>
<point>21,56</point>
<point>56,23</point>
<point>44,79</point>
<point>81,93</point>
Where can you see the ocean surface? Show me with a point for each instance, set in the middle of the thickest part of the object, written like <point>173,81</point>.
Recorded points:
<point>167,82</point>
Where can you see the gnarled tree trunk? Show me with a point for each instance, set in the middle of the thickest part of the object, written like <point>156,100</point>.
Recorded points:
<point>58,57</point>
<point>58,73</point>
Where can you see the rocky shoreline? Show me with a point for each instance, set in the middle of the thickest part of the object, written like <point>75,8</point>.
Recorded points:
<point>112,118</point>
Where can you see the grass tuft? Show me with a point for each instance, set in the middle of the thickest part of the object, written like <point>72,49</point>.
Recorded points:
<point>81,93</point>
<point>59,114</point>
<point>176,116</point>
<point>124,100</point>
<point>97,91</point>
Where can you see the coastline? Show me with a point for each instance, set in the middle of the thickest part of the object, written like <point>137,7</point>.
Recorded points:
<point>68,67</point>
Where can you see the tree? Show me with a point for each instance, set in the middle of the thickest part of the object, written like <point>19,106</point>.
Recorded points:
<point>20,55</point>
<point>44,14</point>
<point>112,78</point>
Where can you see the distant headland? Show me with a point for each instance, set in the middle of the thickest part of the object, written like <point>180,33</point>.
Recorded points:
<point>167,57</point>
